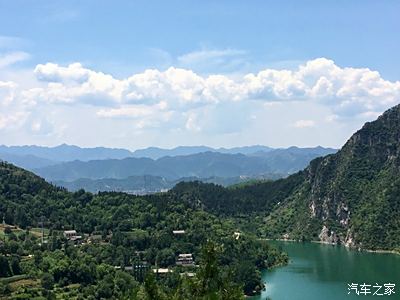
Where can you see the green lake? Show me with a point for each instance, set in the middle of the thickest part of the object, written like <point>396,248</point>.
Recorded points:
<point>318,271</point>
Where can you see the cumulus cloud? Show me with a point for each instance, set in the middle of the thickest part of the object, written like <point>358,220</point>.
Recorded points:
<point>75,83</point>
<point>348,91</point>
<point>54,73</point>
<point>194,102</point>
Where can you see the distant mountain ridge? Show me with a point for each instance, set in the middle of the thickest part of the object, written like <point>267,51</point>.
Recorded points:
<point>29,162</point>
<point>66,152</point>
<point>200,165</point>
<point>108,169</point>
<point>47,160</point>
<point>156,153</point>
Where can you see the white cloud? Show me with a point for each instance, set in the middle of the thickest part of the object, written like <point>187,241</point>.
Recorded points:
<point>181,99</point>
<point>54,73</point>
<point>75,83</point>
<point>304,124</point>
<point>8,59</point>
<point>347,91</point>
<point>177,86</point>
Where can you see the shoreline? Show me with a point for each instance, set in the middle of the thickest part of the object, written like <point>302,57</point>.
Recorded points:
<point>281,240</point>
<point>379,251</point>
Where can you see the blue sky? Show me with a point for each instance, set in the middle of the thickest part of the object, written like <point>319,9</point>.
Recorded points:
<point>277,73</point>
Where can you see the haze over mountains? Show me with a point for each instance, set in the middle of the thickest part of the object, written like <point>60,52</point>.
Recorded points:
<point>64,152</point>
<point>156,169</point>
<point>156,153</point>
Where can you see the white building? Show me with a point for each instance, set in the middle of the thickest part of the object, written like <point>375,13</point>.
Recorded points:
<point>71,235</point>
<point>185,259</point>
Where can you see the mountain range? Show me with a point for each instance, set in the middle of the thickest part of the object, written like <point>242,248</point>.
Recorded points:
<point>64,152</point>
<point>156,153</point>
<point>93,169</point>
<point>201,165</point>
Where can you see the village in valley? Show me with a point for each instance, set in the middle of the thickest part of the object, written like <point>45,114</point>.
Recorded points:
<point>184,264</point>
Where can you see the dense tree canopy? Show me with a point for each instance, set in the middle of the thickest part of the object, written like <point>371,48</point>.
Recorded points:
<point>122,230</point>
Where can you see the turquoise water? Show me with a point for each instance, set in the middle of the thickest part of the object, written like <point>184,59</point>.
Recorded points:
<point>318,271</point>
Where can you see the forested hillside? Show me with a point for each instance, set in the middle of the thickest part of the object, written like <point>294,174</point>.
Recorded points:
<point>117,231</point>
<point>353,196</point>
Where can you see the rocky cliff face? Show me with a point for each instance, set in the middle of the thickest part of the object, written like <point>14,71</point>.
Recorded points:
<point>353,196</point>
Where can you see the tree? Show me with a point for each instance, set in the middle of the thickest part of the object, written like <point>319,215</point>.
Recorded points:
<point>246,272</point>
<point>4,288</point>
<point>105,287</point>
<point>208,274</point>
<point>125,283</point>
<point>4,267</point>
<point>15,266</point>
<point>151,290</point>
<point>47,281</point>
<point>210,282</point>
<point>7,230</point>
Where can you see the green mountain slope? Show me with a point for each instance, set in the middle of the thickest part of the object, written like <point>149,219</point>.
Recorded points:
<point>352,196</point>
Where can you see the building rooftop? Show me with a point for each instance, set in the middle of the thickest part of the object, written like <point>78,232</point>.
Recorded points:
<point>185,255</point>
<point>162,270</point>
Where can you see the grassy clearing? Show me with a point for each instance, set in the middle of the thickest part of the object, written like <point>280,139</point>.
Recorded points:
<point>24,283</point>
<point>38,231</point>
<point>35,232</point>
